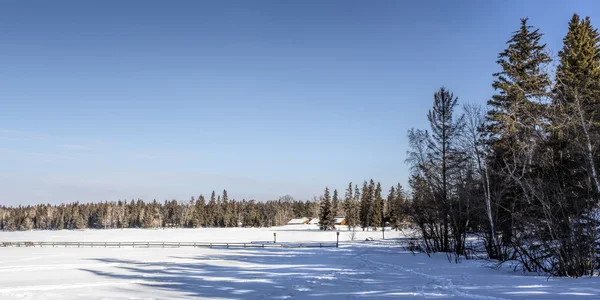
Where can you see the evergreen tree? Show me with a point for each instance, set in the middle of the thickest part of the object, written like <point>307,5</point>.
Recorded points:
<point>199,218</point>
<point>371,200</point>
<point>520,85</point>
<point>326,218</point>
<point>356,206</point>
<point>577,96</point>
<point>350,208</point>
<point>396,200</point>
<point>578,74</point>
<point>365,205</point>
<point>391,199</point>
<point>376,207</point>
<point>513,120</point>
<point>211,212</point>
<point>335,204</point>
<point>575,139</point>
<point>227,210</point>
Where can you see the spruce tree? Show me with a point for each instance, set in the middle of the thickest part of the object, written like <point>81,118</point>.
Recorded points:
<point>577,94</point>
<point>513,119</point>
<point>376,207</point>
<point>212,209</point>
<point>397,206</point>
<point>356,206</point>
<point>227,211</point>
<point>575,142</point>
<point>370,201</point>
<point>521,84</point>
<point>578,74</point>
<point>199,218</point>
<point>349,208</point>
<point>335,202</point>
<point>365,205</point>
<point>391,199</point>
<point>326,219</point>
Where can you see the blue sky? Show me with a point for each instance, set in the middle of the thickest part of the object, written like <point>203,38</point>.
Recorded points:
<point>108,100</point>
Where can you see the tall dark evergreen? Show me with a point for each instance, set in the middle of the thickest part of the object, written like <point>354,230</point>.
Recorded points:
<point>520,86</point>
<point>514,120</point>
<point>365,205</point>
<point>199,219</point>
<point>326,218</point>
<point>577,93</point>
<point>575,128</point>
<point>335,203</point>
<point>394,208</point>
<point>212,211</point>
<point>377,206</point>
<point>351,206</point>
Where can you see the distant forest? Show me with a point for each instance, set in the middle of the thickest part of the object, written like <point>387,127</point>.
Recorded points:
<point>218,211</point>
<point>520,173</point>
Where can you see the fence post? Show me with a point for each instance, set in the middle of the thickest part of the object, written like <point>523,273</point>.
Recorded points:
<point>320,245</point>
<point>337,242</point>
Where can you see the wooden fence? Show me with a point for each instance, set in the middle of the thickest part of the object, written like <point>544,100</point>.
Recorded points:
<point>166,245</point>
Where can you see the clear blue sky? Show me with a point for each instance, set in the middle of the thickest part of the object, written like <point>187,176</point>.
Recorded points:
<point>108,100</point>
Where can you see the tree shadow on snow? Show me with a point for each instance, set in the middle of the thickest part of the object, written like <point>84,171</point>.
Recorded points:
<point>259,274</point>
<point>331,273</point>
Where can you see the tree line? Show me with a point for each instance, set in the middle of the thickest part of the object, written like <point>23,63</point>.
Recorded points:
<point>217,211</point>
<point>522,173</point>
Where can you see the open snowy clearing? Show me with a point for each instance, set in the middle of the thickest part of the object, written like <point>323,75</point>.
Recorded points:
<point>374,270</point>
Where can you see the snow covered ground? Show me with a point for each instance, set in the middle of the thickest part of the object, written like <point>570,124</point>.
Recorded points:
<point>373,270</point>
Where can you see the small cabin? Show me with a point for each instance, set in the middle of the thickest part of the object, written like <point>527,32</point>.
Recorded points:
<point>299,221</point>
<point>340,221</point>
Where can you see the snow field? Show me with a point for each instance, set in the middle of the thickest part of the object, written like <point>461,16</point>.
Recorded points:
<point>360,270</point>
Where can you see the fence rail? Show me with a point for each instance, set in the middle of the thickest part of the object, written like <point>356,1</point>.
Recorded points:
<point>166,245</point>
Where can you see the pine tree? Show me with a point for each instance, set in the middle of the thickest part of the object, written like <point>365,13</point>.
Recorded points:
<point>370,201</point>
<point>356,206</point>
<point>326,218</point>
<point>199,218</point>
<point>350,208</point>
<point>396,199</point>
<point>391,199</point>
<point>520,85</point>
<point>575,140</point>
<point>335,204</point>
<point>211,212</point>
<point>513,119</point>
<point>376,207</point>
<point>365,206</point>
<point>577,93</point>
<point>227,211</point>
<point>578,74</point>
